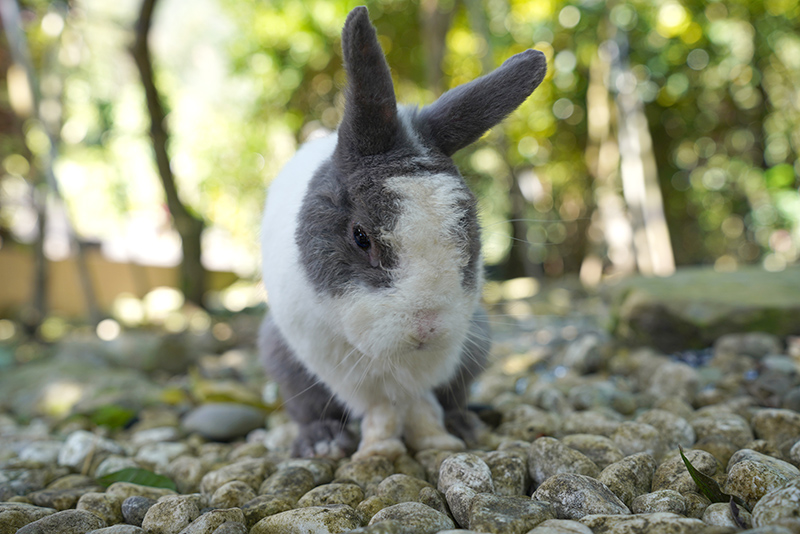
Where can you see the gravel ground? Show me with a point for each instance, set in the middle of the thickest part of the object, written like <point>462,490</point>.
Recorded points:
<point>579,435</point>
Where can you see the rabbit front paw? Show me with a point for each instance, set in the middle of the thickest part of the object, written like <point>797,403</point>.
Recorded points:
<point>389,448</point>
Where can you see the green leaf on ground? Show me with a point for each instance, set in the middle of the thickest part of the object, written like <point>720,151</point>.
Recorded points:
<point>135,475</point>
<point>112,416</point>
<point>708,486</point>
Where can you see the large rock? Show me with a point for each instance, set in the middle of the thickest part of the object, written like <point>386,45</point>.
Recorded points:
<point>697,305</point>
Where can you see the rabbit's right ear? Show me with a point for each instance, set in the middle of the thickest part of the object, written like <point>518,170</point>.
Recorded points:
<point>370,124</point>
<point>465,113</point>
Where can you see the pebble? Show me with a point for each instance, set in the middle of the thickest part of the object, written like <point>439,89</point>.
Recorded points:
<point>134,509</point>
<point>666,500</point>
<point>632,437</point>
<point>118,529</point>
<point>127,489</point>
<point>251,448</point>
<point>231,527</point>
<point>509,472</point>
<point>208,522</point>
<point>590,422</point>
<point>722,424</point>
<point>674,379</point>
<point>170,516</point>
<point>548,456</point>
<point>81,444</point>
<point>751,475</point>
<point>433,498</point>
<point>415,518</point>
<point>662,522</point>
<point>778,426</point>
<point>370,506</point>
<point>64,522</point>
<point>719,447</point>
<point>574,496</point>
<point>794,453</point>
<point>600,449</point>
<point>430,460</point>
<point>223,421</point>
<point>14,515</point>
<point>20,481</point>
<point>467,469</point>
<point>322,469</point>
<point>696,504</point>
<point>157,456</point>
<point>719,514</point>
<point>592,395</point>
<point>232,494</point>
<point>390,526</point>
<point>459,498</point>
<point>789,470</point>
<point>399,488</point>
<point>264,506</point>
<point>675,430</point>
<point>65,492</point>
<point>753,344</point>
<point>289,482</point>
<point>527,422</point>
<point>672,473</point>
<point>365,471</point>
<point>251,471</point>
<point>106,507</point>
<point>630,477</point>
<point>187,472</point>
<point>345,493</point>
<point>114,463</point>
<point>155,435</point>
<point>779,507</point>
<point>407,465</point>
<point>42,452</point>
<point>561,526</point>
<point>318,519</point>
<point>513,515</point>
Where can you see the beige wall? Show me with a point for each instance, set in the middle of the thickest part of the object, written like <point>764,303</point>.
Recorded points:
<point>65,295</point>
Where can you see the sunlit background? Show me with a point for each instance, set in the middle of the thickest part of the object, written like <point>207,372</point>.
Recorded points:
<point>665,133</point>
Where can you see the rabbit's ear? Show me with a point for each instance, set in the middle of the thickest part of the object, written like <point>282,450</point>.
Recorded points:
<point>370,123</point>
<point>461,115</point>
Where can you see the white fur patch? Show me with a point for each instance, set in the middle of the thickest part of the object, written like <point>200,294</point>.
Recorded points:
<point>293,301</point>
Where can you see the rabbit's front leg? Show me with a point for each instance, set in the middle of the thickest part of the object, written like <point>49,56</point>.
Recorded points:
<point>381,429</point>
<point>424,426</point>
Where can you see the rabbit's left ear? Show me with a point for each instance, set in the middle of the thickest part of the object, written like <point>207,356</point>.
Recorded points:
<point>370,122</point>
<point>465,113</point>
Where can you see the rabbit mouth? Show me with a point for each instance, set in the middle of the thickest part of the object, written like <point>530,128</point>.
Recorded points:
<point>420,346</point>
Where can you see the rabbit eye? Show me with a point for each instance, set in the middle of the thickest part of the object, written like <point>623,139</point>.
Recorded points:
<point>361,238</point>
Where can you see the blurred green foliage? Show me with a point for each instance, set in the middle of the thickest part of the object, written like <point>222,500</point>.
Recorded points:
<point>246,81</point>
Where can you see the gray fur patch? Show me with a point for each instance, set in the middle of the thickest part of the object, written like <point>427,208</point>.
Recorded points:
<point>342,194</point>
<point>306,398</point>
<point>324,236</point>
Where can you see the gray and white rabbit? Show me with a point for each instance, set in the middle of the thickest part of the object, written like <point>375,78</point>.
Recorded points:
<point>372,261</point>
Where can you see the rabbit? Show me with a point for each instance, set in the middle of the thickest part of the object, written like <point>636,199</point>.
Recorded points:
<point>372,262</point>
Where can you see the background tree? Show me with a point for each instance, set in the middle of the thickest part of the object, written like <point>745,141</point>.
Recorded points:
<point>188,225</point>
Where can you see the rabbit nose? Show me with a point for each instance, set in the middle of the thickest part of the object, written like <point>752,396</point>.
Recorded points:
<point>426,326</point>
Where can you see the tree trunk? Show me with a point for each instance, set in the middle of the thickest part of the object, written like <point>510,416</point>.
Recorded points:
<point>189,226</point>
<point>519,263</point>
<point>434,23</point>
<point>640,178</point>
<point>20,54</point>
<point>610,230</point>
